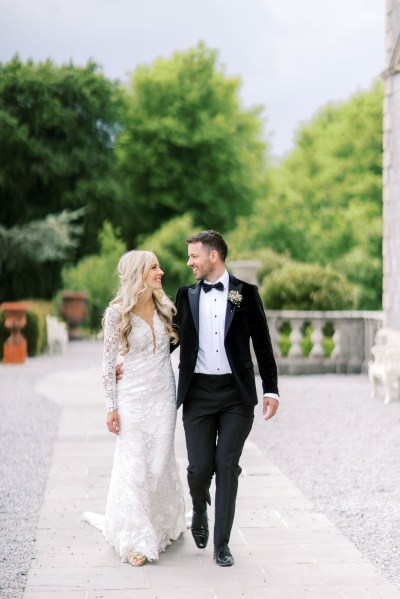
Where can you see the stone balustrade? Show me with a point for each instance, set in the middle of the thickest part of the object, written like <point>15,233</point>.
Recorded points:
<point>352,334</point>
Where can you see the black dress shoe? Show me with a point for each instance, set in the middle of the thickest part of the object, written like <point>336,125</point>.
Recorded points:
<point>200,529</point>
<point>223,555</point>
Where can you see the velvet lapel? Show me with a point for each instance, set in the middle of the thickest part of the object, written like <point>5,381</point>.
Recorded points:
<point>194,300</point>
<point>234,285</point>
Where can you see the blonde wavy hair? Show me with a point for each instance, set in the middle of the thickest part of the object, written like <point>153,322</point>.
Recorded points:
<point>133,268</point>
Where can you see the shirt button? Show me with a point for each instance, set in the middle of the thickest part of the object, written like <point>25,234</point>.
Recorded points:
<point>216,350</point>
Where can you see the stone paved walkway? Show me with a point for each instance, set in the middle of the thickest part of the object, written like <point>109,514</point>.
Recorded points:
<point>283,549</point>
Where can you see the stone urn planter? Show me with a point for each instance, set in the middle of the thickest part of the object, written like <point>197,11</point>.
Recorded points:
<point>74,310</point>
<point>15,347</point>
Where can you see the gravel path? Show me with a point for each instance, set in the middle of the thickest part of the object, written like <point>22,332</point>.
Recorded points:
<point>341,448</point>
<point>27,431</point>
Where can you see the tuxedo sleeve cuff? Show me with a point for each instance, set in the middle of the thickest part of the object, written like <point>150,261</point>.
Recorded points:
<point>273,395</point>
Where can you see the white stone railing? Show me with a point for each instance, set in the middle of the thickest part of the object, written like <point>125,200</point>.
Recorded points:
<point>353,336</point>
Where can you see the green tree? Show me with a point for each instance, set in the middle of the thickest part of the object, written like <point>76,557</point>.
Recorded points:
<point>188,146</point>
<point>169,245</point>
<point>58,126</point>
<point>97,274</point>
<point>31,255</point>
<point>325,200</point>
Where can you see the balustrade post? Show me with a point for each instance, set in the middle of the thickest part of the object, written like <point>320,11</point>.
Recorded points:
<point>317,338</point>
<point>337,338</point>
<point>295,337</point>
<point>274,333</point>
<point>353,334</point>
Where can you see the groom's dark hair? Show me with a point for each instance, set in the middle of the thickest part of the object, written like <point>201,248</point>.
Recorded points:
<point>212,240</point>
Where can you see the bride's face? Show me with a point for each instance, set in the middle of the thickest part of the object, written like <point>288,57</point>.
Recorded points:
<point>153,279</point>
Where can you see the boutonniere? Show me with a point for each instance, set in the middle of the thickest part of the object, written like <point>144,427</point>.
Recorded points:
<point>235,298</point>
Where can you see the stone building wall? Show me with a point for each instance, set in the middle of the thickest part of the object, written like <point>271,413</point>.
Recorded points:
<point>391,168</point>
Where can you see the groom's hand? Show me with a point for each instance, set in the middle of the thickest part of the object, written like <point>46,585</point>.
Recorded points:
<point>270,407</point>
<point>119,371</point>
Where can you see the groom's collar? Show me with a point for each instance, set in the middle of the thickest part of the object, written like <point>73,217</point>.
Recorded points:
<point>228,280</point>
<point>224,279</point>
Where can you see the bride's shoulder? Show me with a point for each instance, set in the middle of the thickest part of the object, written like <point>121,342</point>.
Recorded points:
<point>113,312</point>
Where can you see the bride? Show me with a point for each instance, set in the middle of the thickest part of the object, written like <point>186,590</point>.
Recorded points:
<point>145,506</point>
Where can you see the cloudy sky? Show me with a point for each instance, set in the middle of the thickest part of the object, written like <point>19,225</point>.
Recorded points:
<point>293,56</point>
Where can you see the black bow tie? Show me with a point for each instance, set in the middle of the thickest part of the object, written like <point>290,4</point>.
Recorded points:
<point>208,288</point>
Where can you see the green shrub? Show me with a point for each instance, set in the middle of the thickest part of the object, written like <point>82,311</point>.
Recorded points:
<point>307,287</point>
<point>97,275</point>
<point>36,329</point>
<point>31,333</point>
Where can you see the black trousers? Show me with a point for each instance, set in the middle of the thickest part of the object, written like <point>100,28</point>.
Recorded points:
<point>216,426</point>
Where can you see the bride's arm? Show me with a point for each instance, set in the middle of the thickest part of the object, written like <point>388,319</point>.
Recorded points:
<point>112,326</point>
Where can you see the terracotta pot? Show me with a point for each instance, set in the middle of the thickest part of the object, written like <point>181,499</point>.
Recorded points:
<point>15,347</point>
<point>74,310</point>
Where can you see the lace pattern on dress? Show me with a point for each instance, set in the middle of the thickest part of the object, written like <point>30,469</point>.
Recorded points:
<point>112,330</point>
<point>145,508</point>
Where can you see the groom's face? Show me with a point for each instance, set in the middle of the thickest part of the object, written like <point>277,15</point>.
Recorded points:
<point>201,260</point>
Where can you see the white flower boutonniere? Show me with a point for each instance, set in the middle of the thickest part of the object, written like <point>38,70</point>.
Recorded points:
<point>235,298</point>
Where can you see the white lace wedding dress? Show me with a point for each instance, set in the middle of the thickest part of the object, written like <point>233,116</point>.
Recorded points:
<point>145,505</point>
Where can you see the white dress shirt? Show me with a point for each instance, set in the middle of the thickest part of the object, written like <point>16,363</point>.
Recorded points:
<point>211,357</point>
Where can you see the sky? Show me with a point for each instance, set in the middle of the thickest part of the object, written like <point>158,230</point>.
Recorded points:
<point>293,56</point>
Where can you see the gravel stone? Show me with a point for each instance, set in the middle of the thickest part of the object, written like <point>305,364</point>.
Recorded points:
<point>341,448</point>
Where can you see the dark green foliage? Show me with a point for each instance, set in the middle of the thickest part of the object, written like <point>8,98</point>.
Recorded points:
<point>35,330</point>
<point>31,333</point>
<point>188,146</point>
<point>58,125</point>
<point>31,255</point>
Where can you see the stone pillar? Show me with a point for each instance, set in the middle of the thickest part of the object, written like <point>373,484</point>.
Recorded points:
<point>245,270</point>
<point>391,168</point>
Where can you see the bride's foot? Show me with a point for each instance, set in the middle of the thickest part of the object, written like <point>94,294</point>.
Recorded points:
<point>136,559</point>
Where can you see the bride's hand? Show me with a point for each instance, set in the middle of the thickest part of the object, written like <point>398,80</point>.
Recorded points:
<point>113,422</point>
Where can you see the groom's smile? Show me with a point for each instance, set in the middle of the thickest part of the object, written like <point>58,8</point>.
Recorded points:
<point>203,262</point>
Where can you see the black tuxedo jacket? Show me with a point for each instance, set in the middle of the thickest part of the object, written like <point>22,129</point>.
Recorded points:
<point>241,323</point>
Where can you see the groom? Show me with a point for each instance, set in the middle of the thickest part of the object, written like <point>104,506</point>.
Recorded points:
<point>216,318</point>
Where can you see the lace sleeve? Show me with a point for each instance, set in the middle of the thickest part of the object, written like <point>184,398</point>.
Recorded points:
<point>112,326</point>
